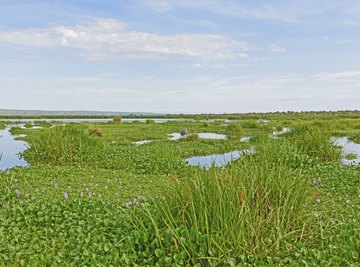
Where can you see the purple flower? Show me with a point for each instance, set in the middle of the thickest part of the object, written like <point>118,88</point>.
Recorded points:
<point>128,204</point>
<point>90,194</point>
<point>17,192</point>
<point>15,180</point>
<point>66,195</point>
<point>141,198</point>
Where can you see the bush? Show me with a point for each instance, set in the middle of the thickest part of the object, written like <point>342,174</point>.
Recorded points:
<point>117,119</point>
<point>148,121</point>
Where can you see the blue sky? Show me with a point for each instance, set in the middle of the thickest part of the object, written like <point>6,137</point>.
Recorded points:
<point>180,56</point>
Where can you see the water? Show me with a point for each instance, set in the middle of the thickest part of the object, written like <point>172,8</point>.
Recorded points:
<point>9,149</point>
<point>217,160</point>
<point>142,142</point>
<point>162,120</point>
<point>212,136</point>
<point>263,120</point>
<point>177,136</point>
<point>349,147</point>
<point>245,139</point>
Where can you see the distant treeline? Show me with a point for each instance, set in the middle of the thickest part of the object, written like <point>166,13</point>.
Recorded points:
<point>303,115</point>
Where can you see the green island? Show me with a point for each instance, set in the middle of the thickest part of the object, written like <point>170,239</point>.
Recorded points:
<point>90,196</point>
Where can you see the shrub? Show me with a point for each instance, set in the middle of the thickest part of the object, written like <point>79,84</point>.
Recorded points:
<point>148,121</point>
<point>117,119</point>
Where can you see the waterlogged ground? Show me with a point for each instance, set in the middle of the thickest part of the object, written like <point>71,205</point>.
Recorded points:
<point>95,193</point>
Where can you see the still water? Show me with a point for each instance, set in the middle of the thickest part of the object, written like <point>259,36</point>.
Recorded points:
<point>348,147</point>
<point>9,150</point>
<point>217,160</point>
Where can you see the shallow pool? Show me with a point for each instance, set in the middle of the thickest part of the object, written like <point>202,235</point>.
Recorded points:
<point>10,149</point>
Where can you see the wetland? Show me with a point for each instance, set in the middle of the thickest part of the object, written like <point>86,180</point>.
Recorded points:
<point>136,193</point>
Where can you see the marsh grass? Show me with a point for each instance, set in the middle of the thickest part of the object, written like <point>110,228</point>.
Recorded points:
<point>235,131</point>
<point>117,119</point>
<point>2,125</point>
<point>61,144</point>
<point>355,138</point>
<point>95,130</point>
<point>255,206</point>
<point>314,142</point>
<point>191,137</point>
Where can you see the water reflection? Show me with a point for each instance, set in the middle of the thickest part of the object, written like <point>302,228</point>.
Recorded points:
<point>348,147</point>
<point>177,136</point>
<point>217,160</point>
<point>9,150</point>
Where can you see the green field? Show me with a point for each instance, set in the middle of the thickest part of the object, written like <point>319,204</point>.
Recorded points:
<point>91,197</point>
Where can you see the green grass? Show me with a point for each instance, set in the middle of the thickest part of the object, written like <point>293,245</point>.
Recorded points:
<point>290,204</point>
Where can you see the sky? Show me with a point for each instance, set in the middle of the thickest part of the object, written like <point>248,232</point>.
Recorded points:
<point>180,56</point>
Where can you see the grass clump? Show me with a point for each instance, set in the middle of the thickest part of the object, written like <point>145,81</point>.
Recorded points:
<point>192,137</point>
<point>117,119</point>
<point>61,144</point>
<point>355,138</point>
<point>314,142</point>
<point>235,131</point>
<point>95,131</point>
<point>254,207</point>
<point>28,125</point>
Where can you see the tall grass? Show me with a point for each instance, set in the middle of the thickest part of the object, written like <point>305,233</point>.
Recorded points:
<point>2,125</point>
<point>314,142</point>
<point>63,145</point>
<point>256,206</point>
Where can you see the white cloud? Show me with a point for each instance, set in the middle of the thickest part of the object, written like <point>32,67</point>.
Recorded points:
<point>333,76</point>
<point>275,48</point>
<point>109,38</point>
<point>283,10</point>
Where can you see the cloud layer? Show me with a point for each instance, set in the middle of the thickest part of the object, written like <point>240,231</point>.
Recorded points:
<point>110,38</point>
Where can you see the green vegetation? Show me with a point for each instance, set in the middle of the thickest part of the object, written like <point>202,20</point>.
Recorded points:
<point>117,119</point>
<point>92,197</point>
